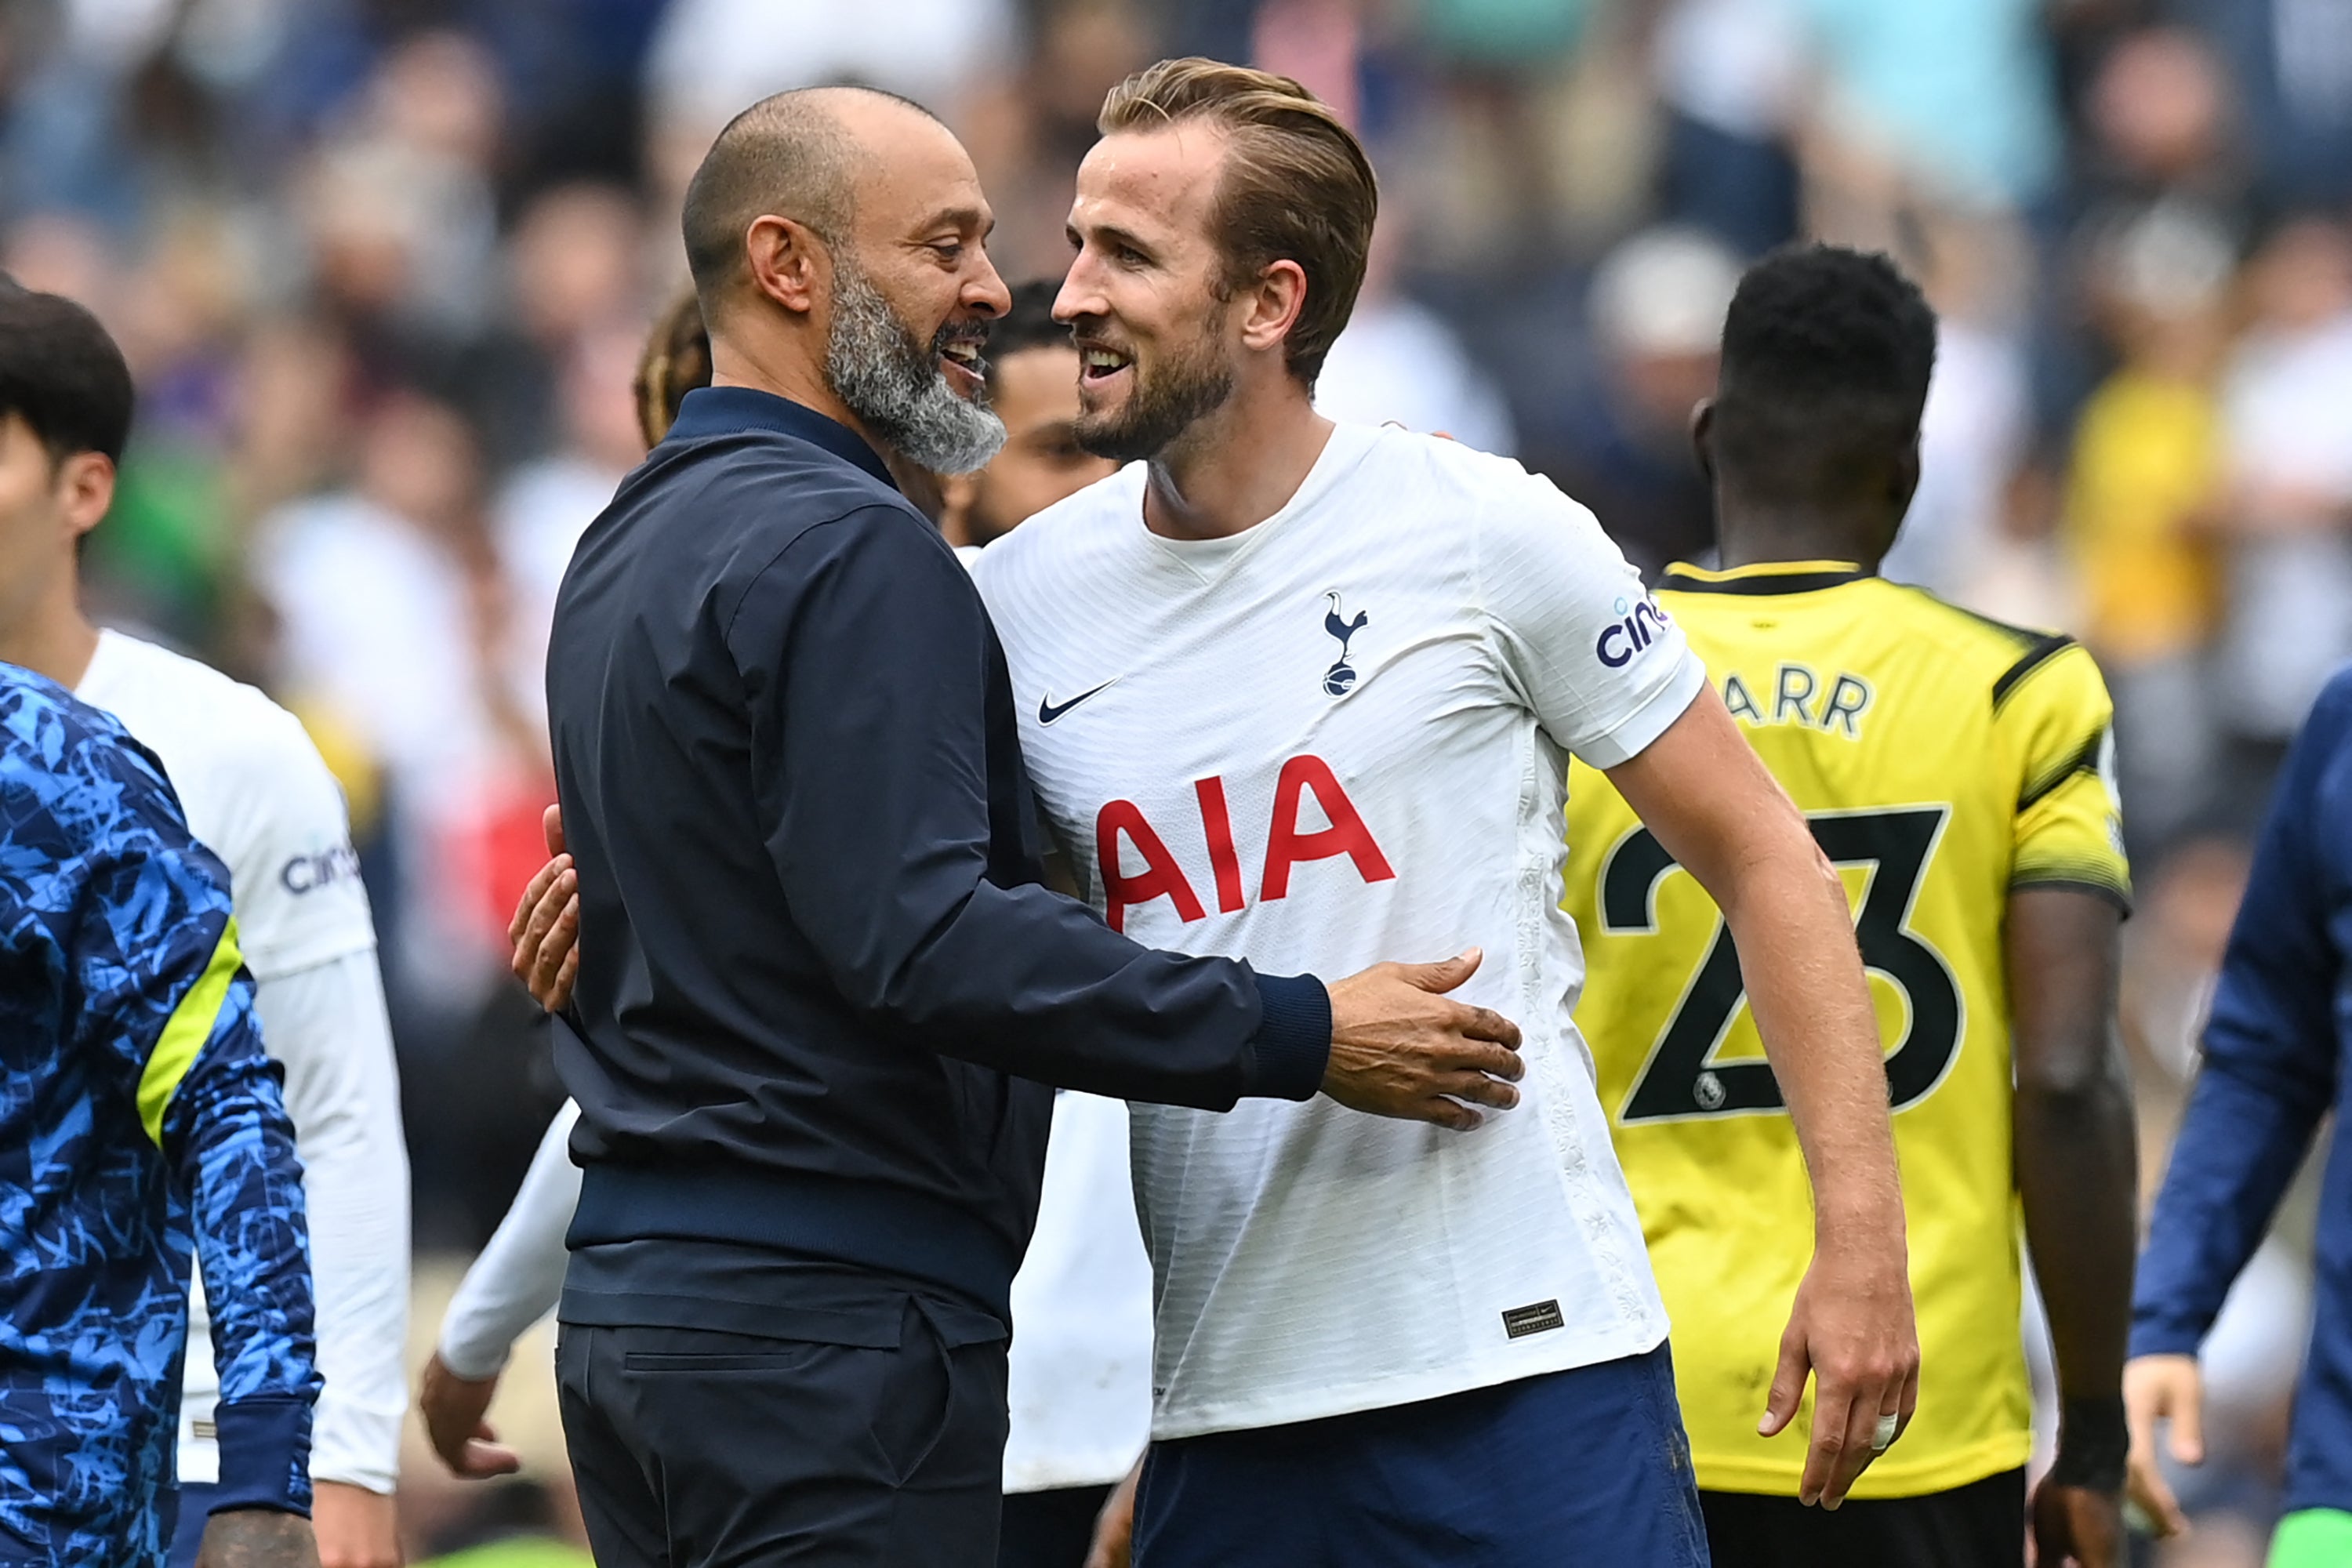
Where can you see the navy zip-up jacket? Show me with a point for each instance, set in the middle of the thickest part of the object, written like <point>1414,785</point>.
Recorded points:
<point>814,950</point>
<point>2278,1055</point>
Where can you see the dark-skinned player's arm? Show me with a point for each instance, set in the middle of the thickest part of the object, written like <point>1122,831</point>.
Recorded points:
<point>1702,792</point>
<point>2077,1170</point>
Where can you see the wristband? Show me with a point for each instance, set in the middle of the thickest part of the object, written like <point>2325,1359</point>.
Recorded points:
<point>2092,1440</point>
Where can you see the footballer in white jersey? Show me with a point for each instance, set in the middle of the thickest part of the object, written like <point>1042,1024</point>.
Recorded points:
<point>1305,694</point>
<point>1290,692</point>
<point>256,792</point>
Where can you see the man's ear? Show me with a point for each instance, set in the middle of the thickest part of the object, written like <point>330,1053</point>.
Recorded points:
<point>789,263</point>
<point>86,488</point>
<point>1274,306</point>
<point>1701,430</point>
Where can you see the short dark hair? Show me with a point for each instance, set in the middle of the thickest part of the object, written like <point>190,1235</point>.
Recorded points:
<point>63,375</point>
<point>1826,356</point>
<point>786,154</point>
<point>1029,324</point>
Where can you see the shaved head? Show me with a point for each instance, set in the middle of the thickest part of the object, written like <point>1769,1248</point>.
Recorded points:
<point>799,156</point>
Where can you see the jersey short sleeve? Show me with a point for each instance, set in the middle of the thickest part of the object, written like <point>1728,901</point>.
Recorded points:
<point>1603,666</point>
<point>2069,823</point>
<point>299,898</point>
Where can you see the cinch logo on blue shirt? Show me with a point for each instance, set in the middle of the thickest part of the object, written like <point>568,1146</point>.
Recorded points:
<point>1620,640</point>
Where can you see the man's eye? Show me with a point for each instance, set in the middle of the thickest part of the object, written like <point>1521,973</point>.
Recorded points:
<point>948,250</point>
<point>1129,257</point>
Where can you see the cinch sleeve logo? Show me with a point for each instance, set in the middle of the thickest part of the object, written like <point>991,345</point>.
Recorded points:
<point>1621,640</point>
<point>307,873</point>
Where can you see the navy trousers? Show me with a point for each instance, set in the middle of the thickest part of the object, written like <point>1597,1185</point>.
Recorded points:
<point>1586,1467</point>
<point>698,1448</point>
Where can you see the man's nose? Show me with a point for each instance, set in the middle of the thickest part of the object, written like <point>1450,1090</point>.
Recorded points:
<point>986,290</point>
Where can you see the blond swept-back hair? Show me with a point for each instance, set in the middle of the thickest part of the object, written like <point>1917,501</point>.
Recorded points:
<point>1296,184</point>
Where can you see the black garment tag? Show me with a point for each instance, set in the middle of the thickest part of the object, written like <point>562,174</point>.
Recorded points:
<point>1521,1321</point>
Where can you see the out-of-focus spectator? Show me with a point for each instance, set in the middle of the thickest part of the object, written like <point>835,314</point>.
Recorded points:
<point>1952,99</point>
<point>1731,77</point>
<point>546,503</point>
<point>2140,496</point>
<point>2287,508</point>
<point>1399,362</point>
<point>710,59</point>
<point>574,264</point>
<point>397,618</point>
<point>2293,62</point>
<point>1656,309</point>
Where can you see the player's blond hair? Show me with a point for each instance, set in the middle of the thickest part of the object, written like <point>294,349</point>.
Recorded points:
<point>1295,185</point>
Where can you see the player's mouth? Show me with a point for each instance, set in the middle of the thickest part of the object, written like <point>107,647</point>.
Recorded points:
<point>959,362</point>
<point>1101,366</point>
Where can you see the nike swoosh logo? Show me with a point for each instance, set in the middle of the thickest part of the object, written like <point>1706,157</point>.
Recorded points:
<point>1047,711</point>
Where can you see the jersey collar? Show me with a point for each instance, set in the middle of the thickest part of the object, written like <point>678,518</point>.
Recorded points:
<point>1763,577</point>
<point>723,410</point>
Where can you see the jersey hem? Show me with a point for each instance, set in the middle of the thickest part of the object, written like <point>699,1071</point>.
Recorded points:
<point>1959,1467</point>
<point>1412,1388</point>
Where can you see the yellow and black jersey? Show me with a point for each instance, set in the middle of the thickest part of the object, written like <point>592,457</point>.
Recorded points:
<point>1944,760</point>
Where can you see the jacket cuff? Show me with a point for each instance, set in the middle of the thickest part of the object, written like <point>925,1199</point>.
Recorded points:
<point>1292,1048</point>
<point>2165,1339</point>
<point>265,1455</point>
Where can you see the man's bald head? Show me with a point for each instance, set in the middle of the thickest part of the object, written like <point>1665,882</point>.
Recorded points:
<point>799,154</point>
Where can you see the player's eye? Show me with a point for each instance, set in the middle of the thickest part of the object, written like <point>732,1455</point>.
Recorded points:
<point>948,250</point>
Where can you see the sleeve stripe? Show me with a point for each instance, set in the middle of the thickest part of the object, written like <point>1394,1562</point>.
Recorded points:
<point>185,1034</point>
<point>2044,649</point>
<point>2085,760</point>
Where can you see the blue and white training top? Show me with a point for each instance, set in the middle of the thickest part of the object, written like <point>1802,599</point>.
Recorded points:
<point>139,1121</point>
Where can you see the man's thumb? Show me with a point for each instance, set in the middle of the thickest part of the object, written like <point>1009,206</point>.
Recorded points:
<point>551,825</point>
<point>1446,973</point>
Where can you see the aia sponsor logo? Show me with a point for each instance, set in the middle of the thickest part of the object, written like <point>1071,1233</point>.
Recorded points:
<point>1620,640</point>
<point>1123,835</point>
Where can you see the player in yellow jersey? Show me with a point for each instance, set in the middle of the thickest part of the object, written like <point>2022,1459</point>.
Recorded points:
<point>1956,771</point>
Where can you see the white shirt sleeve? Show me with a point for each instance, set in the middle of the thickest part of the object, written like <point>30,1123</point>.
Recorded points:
<point>1574,632</point>
<point>520,1276</point>
<point>327,1025</point>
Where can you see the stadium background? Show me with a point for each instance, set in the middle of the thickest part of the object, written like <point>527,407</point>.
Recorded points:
<point>383,266</point>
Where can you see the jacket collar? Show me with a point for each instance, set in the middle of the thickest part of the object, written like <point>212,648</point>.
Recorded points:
<point>725,410</point>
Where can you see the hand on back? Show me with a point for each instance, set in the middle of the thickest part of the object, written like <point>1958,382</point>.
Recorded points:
<point>1400,1046</point>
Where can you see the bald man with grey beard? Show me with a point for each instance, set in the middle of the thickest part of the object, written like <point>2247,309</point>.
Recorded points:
<point>821,993</point>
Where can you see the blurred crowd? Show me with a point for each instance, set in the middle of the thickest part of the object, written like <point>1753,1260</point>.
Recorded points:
<point>382,269</point>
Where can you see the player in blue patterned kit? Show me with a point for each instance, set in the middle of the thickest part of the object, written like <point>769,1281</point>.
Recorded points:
<point>140,1122</point>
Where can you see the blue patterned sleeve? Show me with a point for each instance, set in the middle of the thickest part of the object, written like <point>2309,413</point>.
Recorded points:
<point>230,1141</point>
<point>165,991</point>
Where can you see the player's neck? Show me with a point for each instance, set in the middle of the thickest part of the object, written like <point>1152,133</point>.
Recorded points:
<point>1237,466</point>
<point>1762,536</point>
<point>54,638</point>
<point>781,371</point>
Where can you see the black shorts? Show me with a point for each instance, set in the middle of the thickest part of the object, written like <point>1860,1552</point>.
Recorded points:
<point>1981,1525</point>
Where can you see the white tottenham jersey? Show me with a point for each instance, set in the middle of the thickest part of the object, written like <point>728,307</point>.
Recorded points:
<point>1338,738</point>
<point>257,795</point>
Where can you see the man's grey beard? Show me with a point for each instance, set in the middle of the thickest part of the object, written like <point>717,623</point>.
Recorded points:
<point>892,380</point>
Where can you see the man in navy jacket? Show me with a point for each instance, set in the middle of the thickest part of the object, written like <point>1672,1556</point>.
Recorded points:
<point>2277,1051</point>
<point>822,992</point>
